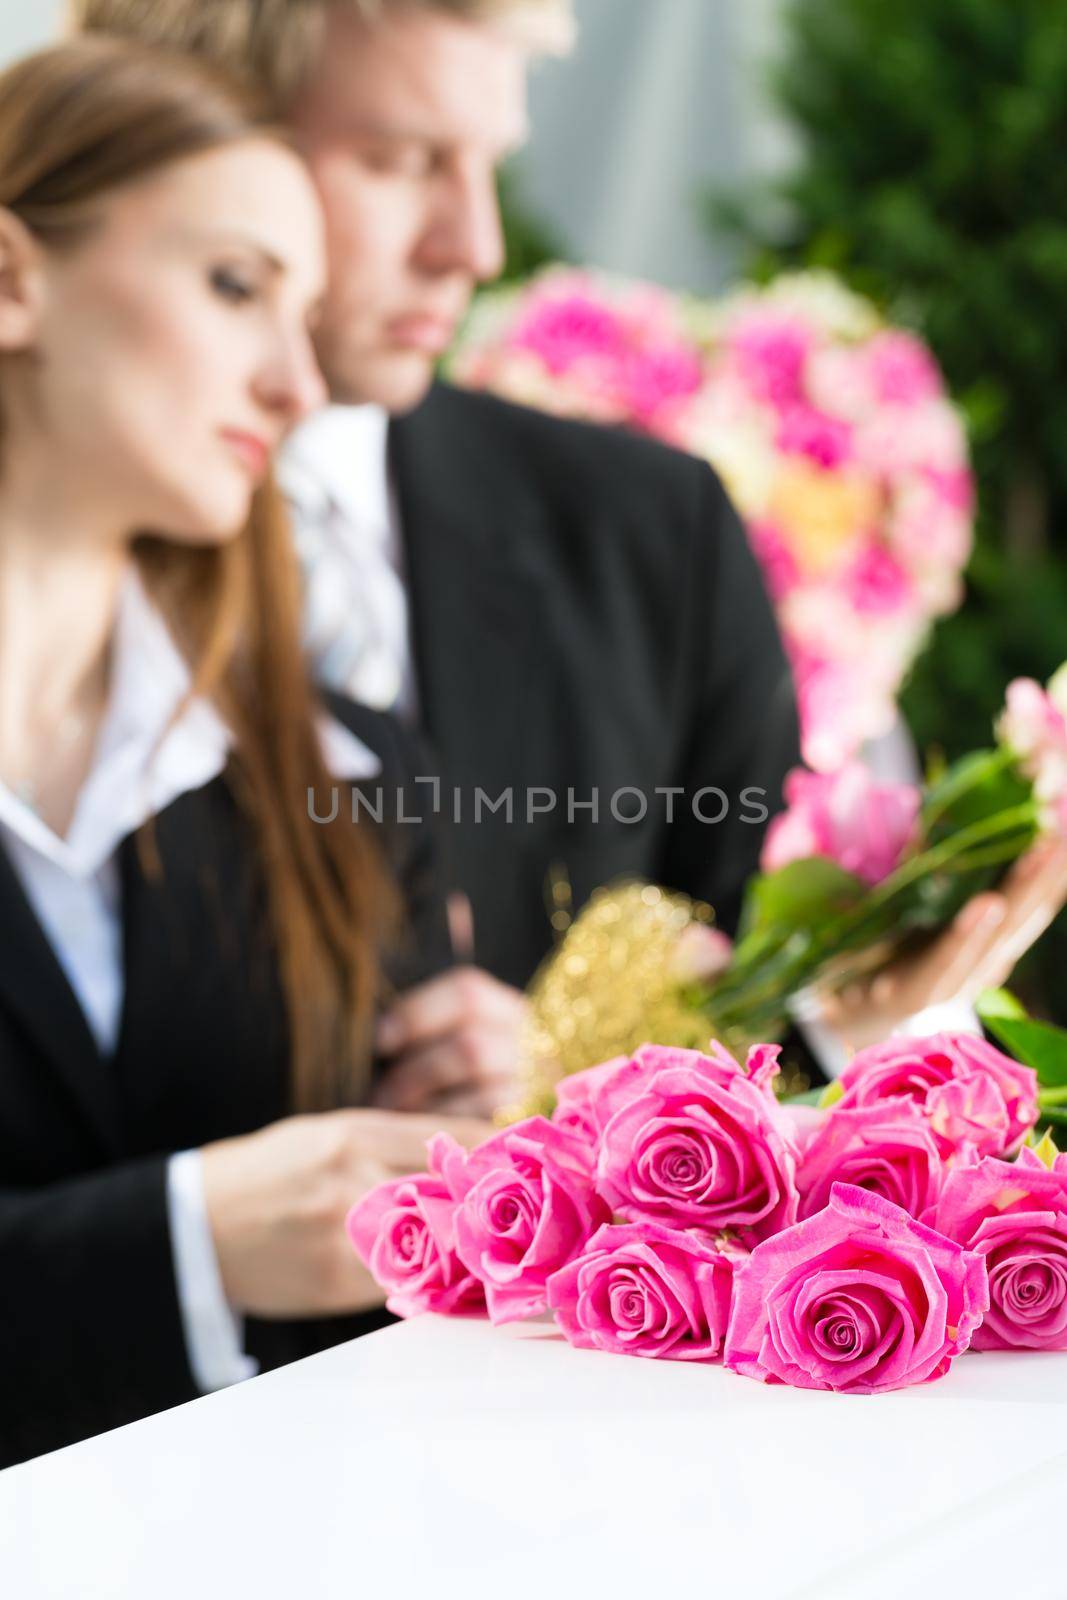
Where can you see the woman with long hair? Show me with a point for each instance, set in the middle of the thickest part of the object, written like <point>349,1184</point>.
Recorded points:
<point>192,955</point>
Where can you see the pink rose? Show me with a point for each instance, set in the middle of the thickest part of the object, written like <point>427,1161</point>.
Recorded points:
<point>1032,724</point>
<point>969,1092</point>
<point>926,529</point>
<point>896,440</point>
<point>564,328</point>
<point>838,710</point>
<point>693,1140</point>
<point>903,370</point>
<point>859,1297</point>
<point>845,816</point>
<point>700,953</point>
<point>804,431</point>
<point>654,378</point>
<point>955,487</point>
<point>887,1149</point>
<point>404,1233</point>
<point>804,1124</point>
<point>642,1290</point>
<point>770,350</point>
<point>576,1099</point>
<point>877,585</point>
<point>527,1206</point>
<point>1014,1215</point>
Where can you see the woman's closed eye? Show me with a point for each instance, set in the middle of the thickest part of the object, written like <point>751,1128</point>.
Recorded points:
<point>234,285</point>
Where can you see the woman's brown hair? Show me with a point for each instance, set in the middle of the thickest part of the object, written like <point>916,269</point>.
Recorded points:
<point>76,122</point>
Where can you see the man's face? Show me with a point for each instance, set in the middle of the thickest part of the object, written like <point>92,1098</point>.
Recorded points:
<point>403,126</point>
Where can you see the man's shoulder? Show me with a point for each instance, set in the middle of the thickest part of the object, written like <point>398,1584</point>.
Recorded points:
<point>560,457</point>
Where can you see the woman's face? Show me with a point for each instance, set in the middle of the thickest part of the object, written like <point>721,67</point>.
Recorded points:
<point>173,348</point>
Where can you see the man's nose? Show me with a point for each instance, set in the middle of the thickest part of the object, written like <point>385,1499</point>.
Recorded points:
<point>467,235</point>
<point>290,382</point>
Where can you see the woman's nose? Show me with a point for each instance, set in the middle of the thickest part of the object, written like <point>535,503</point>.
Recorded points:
<point>291,383</point>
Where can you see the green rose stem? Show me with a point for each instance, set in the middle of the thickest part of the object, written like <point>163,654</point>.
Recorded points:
<point>972,773</point>
<point>744,999</point>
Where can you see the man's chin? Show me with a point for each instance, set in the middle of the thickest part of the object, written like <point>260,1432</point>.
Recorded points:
<point>396,380</point>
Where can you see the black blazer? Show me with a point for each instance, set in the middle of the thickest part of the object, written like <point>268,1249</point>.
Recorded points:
<point>90,1331</point>
<point>586,613</point>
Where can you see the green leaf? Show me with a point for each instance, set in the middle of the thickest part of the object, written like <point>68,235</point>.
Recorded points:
<point>830,1095</point>
<point>810,1097</point>
<point>993,1004</point>
<point>978,786</point>
<point>1045,1148</point>
<point>801,895</point>
<point>1036,1044</point>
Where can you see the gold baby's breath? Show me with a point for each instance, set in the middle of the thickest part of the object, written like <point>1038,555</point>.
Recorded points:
<point>609,987</point>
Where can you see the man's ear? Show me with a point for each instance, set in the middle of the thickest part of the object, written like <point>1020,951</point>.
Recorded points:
<point>21,283</point>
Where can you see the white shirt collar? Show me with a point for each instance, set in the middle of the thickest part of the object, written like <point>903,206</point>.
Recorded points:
<point>135,774</point>
<point>339,453</point>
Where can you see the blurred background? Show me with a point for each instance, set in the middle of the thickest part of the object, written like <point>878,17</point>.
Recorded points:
<point>23,27</point>
<point>919,152</point>
<point>655,102</point>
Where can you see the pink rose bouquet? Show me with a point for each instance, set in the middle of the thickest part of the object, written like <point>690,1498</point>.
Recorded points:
<point>526,1206</point>
<point>1014,1216</point>
<point>677,1210</point>
<point>832,432</point>
<point>584,345</point>
<point>644,1290</point>
<point>859,1298</point>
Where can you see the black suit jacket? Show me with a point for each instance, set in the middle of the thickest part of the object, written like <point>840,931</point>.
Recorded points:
<point>90,1331</point>
<point>586,614</point>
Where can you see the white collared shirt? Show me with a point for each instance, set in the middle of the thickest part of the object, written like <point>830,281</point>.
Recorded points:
<point>72,883</point>
<point>334,472</point>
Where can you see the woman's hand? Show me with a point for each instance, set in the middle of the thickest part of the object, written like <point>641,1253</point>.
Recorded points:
<point>277,1202</point>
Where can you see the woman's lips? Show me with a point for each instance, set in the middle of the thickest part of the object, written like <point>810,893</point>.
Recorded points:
<point>249,448</point>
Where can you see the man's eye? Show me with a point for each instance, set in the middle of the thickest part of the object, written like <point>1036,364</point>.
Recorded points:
<point>400,160</point>
<point>232,285</point>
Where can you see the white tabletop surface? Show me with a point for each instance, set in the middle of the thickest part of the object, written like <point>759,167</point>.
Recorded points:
<point>448,1458</point>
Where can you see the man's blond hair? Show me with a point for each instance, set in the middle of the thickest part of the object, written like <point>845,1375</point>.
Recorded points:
<point>274,43</point>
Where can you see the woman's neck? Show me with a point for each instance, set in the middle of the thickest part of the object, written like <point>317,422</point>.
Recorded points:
<point>59,590</point>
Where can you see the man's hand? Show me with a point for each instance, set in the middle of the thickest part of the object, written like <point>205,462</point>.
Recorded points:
<point>277,1202</point>
<point>977,951</point>
<point>453,1044</point>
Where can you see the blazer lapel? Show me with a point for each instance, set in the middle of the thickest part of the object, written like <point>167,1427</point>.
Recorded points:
<point>35,989</point>
<point>205,1044</point>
